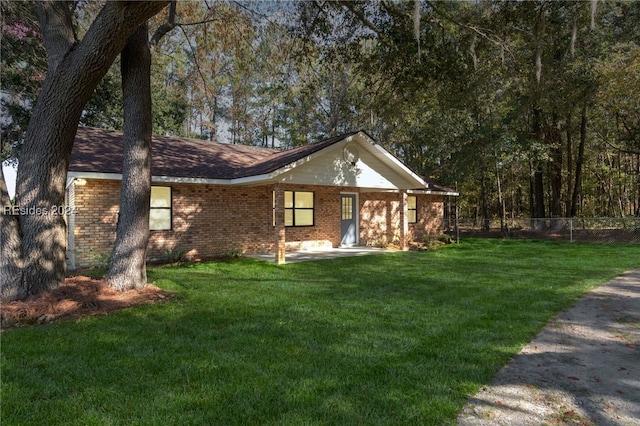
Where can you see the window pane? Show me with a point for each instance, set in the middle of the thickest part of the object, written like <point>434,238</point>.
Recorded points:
<point>288,199</point>
<point>159,219</point>
<point>411,202</point>
<point>304,217</point>
<point>347,208</point>
<point>288,217</point>
<point>411,216</point>
<point>160,196</point>
<point>304,200</point>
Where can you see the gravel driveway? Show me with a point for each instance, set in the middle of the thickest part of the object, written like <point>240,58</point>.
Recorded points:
<point>582,369</point>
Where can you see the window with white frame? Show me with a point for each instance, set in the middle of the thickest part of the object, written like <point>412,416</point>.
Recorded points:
<point>412,209</point>
<point>160,209</point>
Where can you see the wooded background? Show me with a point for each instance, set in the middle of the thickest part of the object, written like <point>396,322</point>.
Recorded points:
<point>528,109</point>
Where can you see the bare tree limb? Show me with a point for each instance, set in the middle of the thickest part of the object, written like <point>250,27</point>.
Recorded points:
<point>361,16</point>
<point>612,145</point>
<point>394,11</point>
<point>483,33</point>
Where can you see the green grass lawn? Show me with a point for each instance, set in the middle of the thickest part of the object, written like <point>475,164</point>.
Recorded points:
<point>400,338</point>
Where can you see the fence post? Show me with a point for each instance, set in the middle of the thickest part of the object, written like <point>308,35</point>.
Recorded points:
<point>571,229</point>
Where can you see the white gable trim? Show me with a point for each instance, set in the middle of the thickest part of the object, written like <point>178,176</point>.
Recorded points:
<point>390,158</point>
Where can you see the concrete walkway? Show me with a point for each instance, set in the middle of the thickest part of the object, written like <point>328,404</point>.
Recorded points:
<point>318,254</point>
<point>583,368</point>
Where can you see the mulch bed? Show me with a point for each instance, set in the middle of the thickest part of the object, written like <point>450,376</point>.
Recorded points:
<point>78,297</point>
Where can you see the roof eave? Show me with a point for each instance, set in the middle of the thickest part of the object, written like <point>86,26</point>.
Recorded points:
<point>167,179</point>
<point>433,192</point>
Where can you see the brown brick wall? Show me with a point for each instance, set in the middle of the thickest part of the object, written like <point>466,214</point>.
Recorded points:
<point>210,220</point>
<point>379,218</point>
<point>430,217</point>
<point>96,215</point>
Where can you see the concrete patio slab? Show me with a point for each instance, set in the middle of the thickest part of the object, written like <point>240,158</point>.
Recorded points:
<point>319,254</point>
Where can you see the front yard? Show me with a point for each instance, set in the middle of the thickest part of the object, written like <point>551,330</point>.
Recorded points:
<point>401,338</point>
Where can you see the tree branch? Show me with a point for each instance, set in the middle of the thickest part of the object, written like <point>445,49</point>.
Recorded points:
<point>360,15</point>
<point>166,27</point>
<point>612,145</point>
<point>394,11</point>
<point>482,33</point>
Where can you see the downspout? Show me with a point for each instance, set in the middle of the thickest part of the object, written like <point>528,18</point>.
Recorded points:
<point>70,210</point>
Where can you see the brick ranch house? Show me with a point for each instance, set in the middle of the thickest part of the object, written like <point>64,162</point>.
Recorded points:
<point>211,198</point>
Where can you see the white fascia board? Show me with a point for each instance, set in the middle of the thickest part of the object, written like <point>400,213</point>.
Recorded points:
<point>390,191</point>
<point>71,176</point>
<point>249,180</point>
<point>390,158</point>
<point>411,191</point>
<point>172,179</point>
<point>93,175</point>
<point>432,192</point>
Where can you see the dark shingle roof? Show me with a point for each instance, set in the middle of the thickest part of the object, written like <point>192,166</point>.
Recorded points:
<point>438,188</point>
<point>100,151</point>
<point>282,158</point>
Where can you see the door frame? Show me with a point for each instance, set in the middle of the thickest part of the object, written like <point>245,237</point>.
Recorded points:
<point>356,215</point>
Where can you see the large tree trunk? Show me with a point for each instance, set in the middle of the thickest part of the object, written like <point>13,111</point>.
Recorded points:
<point>127,269</point>
<point>74,72</point>
<point>10,249</point>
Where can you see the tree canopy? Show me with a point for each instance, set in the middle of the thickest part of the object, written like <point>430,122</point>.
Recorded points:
<point>452,88</point>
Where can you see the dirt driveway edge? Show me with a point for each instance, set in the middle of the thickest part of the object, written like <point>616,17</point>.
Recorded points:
<point>583,368</point>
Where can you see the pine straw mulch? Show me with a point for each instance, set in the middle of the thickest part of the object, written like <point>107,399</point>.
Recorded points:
<point>78,297</point>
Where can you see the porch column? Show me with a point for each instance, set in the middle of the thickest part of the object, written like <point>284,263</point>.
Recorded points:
<point>404,221</point>
<point>280,235</point>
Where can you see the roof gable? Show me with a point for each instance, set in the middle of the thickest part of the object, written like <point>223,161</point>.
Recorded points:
<point>355,160</point>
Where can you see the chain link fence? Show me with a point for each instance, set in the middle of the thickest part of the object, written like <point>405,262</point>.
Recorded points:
<point>600,230</point>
